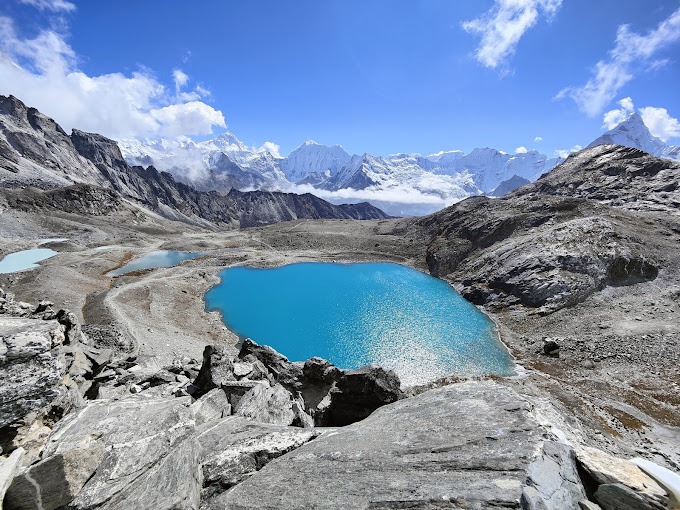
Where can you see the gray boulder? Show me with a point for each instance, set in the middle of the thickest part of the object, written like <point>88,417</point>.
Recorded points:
<point>216,369</point>
<point>617,496</point>
<point>212,406</point>
<point>552,481</point>
<point>143,444</point>
<point>267,405</point>
<point>613,472</point>
<point>8,469</point>
<point>174,483</point>
<point>55,481</point>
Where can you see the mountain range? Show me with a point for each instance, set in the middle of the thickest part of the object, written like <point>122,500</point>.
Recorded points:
<point>89,169</point>
<point>400,184</point>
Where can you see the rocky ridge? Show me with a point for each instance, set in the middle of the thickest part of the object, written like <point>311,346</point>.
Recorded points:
<point>555,242</point>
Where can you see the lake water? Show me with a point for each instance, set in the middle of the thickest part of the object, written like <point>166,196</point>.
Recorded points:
<point>157,259</point>
<point>356,314</point>
<point>22,260</point>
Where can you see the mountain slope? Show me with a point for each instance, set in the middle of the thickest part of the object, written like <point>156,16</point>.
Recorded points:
<point>35,151</point>
<point>509,185</point>
<point>555,242</point>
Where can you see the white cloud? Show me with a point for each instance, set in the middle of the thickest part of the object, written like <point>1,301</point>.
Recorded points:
<point>538,139</point>
<point>613,118</point>
<point>521,150</point>
<point>194,118</point>
<point>272,148</point>
<point>660,123</point>
<point>43,73</point>
<point>627,104</point>
<point>564,153</point>
<point>180,77</point>
<point>50,5</point>
<point>631,54</point>
<point>503,26</point>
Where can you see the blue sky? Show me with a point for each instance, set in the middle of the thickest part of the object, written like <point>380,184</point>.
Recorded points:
<point>378,76</point>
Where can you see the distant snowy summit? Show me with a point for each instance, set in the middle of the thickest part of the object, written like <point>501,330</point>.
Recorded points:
<point>633,132</point>
<point>401,184</point>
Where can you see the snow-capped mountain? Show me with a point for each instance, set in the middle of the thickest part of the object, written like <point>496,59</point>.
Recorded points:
<point>401,184</point>
<point>222,163</point>
<point>491,167</point>
<point>633,132</point>
<point>332,168</point>
<point>317,163</point>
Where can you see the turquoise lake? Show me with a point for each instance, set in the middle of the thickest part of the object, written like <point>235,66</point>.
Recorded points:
<point>23,260</point>
<point>356,314</point>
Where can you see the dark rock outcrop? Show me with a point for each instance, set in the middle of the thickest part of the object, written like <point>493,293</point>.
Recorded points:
<point>217,368</point>
<point>255,208</point>
<point>357,393</point>
<point>331,396</point>
<point>77,199</point>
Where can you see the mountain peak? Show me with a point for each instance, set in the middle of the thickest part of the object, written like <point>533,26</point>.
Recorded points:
<point>632,132</point>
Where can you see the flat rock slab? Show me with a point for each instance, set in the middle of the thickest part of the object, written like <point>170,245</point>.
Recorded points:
<point>462,446</point>
<point>234,448</point>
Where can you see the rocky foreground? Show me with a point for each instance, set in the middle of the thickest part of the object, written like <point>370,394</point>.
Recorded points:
<point>90,430</point>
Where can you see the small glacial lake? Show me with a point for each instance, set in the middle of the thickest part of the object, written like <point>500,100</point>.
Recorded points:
<point>356,314</point>
<point>157,259</point>
<point>23,260</point>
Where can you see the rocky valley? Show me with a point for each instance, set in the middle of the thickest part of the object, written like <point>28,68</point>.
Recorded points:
<point>123,392</point>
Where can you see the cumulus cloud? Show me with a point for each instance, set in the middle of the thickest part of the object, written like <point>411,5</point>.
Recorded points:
<point>660,123</point>
<point>502,27</point>
<point>632,54</point>
<point>521,150</point>
<point>50,5</point>
<point>538,139</point>
<point>195,118</point>
<point>43,73</point>
<point>181,79</point>
<point>564,153</point>
<point>271,148</point>
<point>614,117</point>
